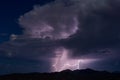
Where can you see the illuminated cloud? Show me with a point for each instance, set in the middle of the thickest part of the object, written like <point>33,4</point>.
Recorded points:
<point>93,25</point>
<point>86,29</point>
<point>54,20</point>
<point>57,20</point>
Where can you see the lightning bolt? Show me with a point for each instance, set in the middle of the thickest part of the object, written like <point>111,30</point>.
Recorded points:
<point>63,62</point>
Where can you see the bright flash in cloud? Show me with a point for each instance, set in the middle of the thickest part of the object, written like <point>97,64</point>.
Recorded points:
<point>63,61</point>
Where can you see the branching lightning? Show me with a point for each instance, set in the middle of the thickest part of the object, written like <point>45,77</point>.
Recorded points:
<point>62,61</point>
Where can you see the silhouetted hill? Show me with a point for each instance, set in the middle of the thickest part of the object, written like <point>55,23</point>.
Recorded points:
<point>86,74</point>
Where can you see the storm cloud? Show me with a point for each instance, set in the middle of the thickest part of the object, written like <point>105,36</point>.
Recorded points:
<point>55,20</point>
<point>99,29</point>
<point>87,28</point>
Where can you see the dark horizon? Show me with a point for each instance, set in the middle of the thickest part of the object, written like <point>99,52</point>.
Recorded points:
<point>86,74</point>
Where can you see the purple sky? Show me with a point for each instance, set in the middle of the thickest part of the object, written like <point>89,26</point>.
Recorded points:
<point>62,34</point>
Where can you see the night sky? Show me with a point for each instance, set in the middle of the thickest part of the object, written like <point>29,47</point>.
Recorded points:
<point>54,35</point>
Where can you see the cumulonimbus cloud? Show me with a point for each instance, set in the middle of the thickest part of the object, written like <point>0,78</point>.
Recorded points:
<point>88,28</point>
<point>55,20</point>
<point>85,26</point>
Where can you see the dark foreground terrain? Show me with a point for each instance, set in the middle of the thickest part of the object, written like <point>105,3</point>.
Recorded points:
<point>86,74</point>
